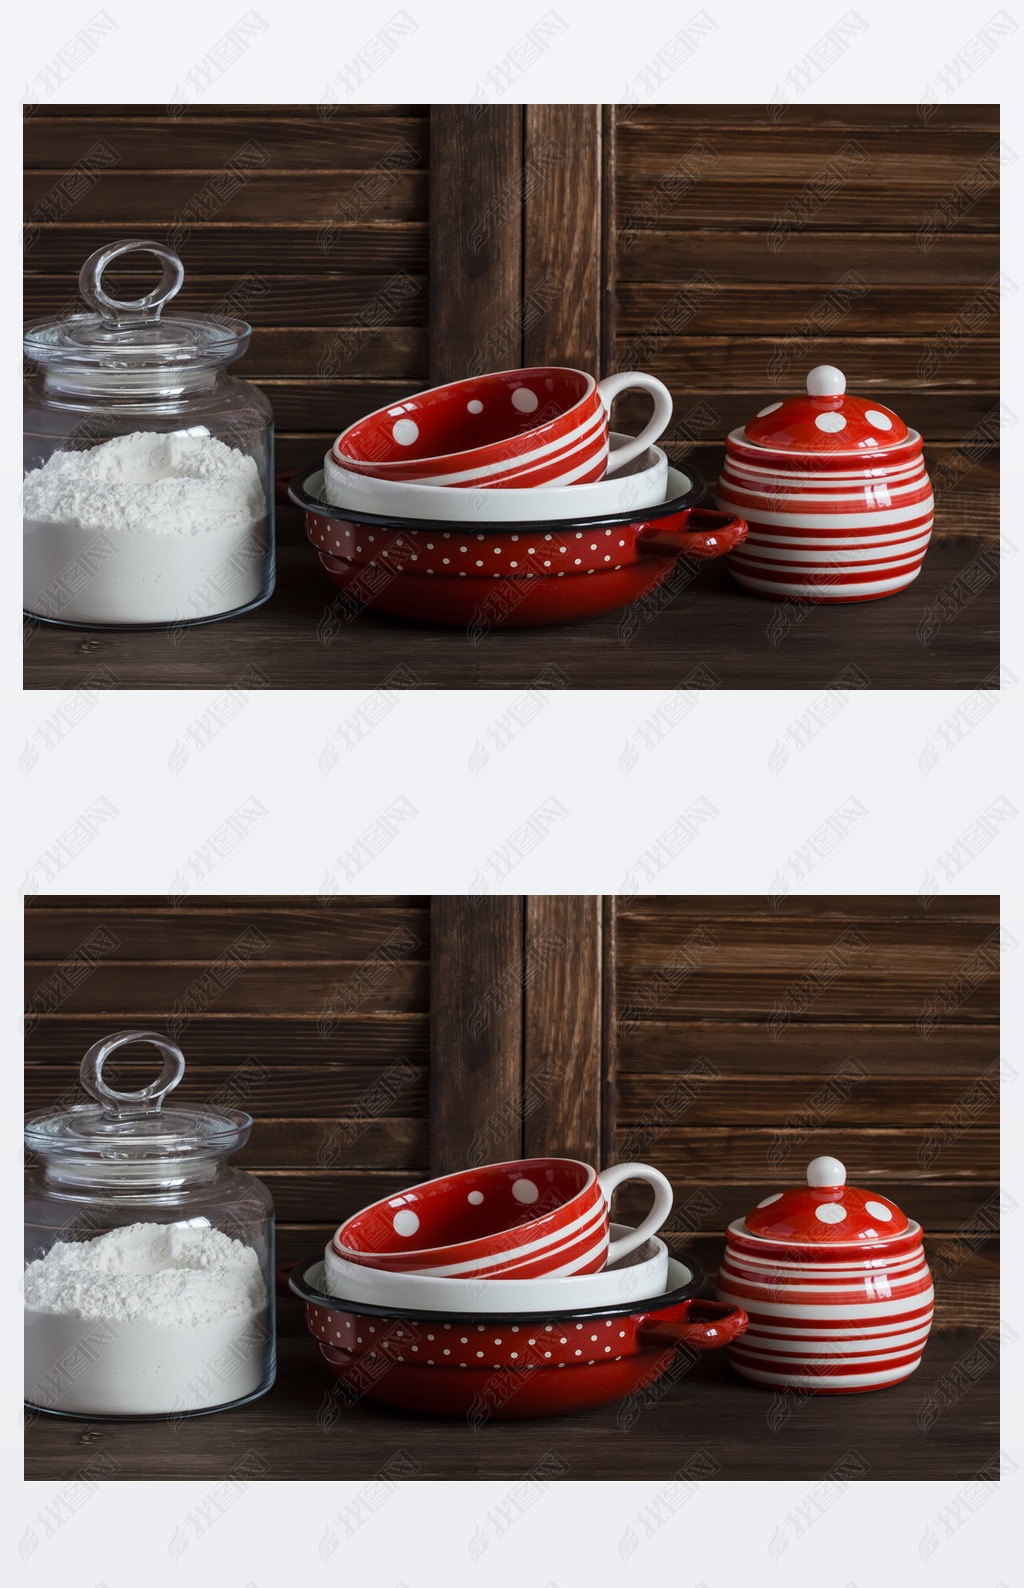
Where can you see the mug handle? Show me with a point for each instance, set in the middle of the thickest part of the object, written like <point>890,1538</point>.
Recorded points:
<point>707,1325</point>
<point>693,532</point>
<point>608,1179</point>
<point>634,380</point>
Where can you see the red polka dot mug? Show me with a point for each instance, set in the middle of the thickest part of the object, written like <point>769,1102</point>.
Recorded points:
<point>521,1219</point>
<point>515,427</point>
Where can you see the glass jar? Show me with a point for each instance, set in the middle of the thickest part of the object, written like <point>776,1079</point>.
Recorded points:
<point>148,493</point>
<point>149,1278</point>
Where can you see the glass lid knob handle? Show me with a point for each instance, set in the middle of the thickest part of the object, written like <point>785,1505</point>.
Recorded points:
<point>150,1098</point>
<point>826,1172</point>
<point>134,311</point>
<point>825,381</point>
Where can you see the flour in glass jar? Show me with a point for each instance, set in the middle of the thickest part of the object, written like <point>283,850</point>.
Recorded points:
<point>152,1319</point>
<point>145,528</point>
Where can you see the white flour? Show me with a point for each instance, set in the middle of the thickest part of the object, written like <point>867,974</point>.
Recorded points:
<point>153,1318</point>
<point>146,528</point>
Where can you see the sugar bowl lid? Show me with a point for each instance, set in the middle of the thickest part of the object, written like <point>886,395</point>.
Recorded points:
<point>827,419</point>
<point>826,1209</point>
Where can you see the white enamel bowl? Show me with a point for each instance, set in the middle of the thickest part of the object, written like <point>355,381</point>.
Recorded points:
<point>642,483</point>
<point>641,1274</point>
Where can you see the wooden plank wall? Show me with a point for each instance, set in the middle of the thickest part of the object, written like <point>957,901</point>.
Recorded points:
<point>727,1040</point>
<point>726,248</point>
<point>319,1019</point>
<point>516,237</point>
<point>476,241</point>
<point>310,222</point>
<point>752,242</point>
<point>314,1017</point>
<point>752,1036</point>
<point>517,1016</point>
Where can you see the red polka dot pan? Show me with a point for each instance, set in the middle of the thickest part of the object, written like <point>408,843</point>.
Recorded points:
<point>523,1365</point>
<point>489,575</point>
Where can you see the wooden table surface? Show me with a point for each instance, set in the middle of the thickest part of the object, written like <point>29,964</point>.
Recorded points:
<point>941,633</point>
<point>940,1423</point>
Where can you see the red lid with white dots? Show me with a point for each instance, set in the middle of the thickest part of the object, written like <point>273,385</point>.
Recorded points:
<point>826,1209</point>
<point>828,419</point>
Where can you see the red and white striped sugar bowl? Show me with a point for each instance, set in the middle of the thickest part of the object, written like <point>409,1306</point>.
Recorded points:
<point>834,1282</point>
<point>835,492</point>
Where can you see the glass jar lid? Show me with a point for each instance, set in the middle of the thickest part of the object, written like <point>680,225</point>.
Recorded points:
<point>827,419</point>
<point>133,337</point>
<point>131,1135</point>
<point>826,1209</point>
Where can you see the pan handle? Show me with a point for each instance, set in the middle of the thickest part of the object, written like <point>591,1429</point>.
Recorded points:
<point>282,1274</point>
<point>694,532</point>
<point>707,1325</point>
<point>281,484</point>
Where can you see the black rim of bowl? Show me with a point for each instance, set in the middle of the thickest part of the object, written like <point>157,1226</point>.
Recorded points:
<point>312,504</point>
<point>621,1309</point>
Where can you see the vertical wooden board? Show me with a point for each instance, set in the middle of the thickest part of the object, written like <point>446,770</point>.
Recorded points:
<point>609,254</point>
<point>562,1027</point>
<point>476,1031</point>
<point>562,236</point>
<point>609,1025</point>
<point>476,235</point>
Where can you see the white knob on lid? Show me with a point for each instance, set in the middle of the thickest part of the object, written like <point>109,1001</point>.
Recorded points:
<point>825,381</point>
<point>826,1172</point>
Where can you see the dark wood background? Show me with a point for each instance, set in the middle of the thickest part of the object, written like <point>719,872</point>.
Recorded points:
<point>313,228</point>
<point>782,211</point>
<point>378,248</point>
<point>727,1040</point>
<point>313,1018</point>
<point>807,1027</point>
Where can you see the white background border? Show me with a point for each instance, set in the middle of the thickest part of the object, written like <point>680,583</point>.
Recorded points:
<point>426,751</point>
